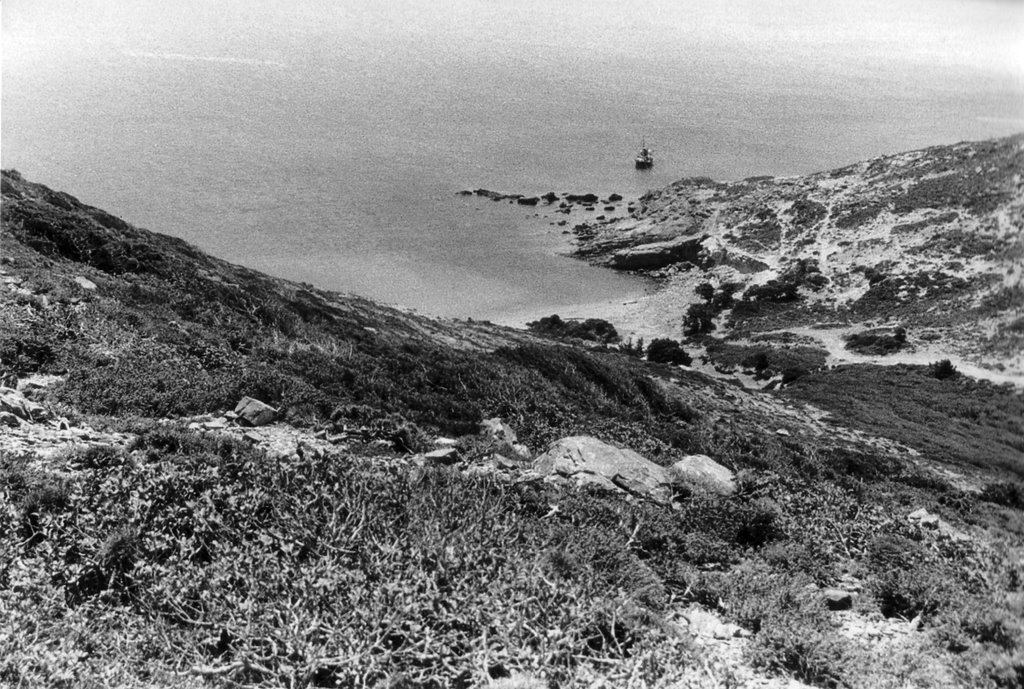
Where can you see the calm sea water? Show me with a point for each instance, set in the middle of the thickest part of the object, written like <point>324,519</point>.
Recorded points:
<point>325,141</point>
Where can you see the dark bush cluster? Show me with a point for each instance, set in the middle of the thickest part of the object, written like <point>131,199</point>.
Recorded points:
<point>667,351</point>
<point>699,319</point>
<point>592,329</point>
<point>878,342</point>
<point>1006,493</point>
<point>943,369</point>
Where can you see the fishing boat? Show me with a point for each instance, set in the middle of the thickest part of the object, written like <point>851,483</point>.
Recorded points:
<point>645,160</point>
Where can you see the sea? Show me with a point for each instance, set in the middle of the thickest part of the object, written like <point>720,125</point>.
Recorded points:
<point>325,141</point>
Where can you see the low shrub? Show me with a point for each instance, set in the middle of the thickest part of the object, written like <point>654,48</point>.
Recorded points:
<point>593,329</point>
<point>699,319</point>
<point>793,632</point>
<point>943,369</point>
<point>910,593</point>
<point>667,351</point>
<point>878,342</point>
<point>1006,493</point>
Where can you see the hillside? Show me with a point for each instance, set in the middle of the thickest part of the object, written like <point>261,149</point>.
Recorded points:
<point>929,241</point>
<point>406,502</point>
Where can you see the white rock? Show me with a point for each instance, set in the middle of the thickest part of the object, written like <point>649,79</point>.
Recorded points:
<point>586,460</point>
<point>701,471</point>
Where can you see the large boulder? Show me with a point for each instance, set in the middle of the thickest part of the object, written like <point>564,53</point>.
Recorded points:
<point>585,460</point>
<point>252,412</point>
<point>654,255</point>
<point>700,471</point>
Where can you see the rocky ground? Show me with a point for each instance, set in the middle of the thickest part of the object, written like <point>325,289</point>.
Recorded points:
<point>32,430</point>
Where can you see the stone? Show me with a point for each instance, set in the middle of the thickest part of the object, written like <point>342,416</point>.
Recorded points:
<point>528,201</point>
<point>782,431</point>
<point>216,424</point>
<point>609,208</point>
<point>9,419</point>
<point>504,463</point>
<point>586,199</point>
<point>700,471</point>
<point>445,442</point>
<point>727,631</point>
<point>504,440</point>
<point>838,599</point>
<point>614,197</point>
<point>654,255</point>
<point>252,438</point>
<point>924,518</point>
<point>85,283</point>
<point>586,460</point>
<point>255,413</point>
<point>497,430</point>
<point>550,197</point>
<point>444,455</point>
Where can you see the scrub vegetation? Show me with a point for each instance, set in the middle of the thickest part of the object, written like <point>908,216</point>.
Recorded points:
<point>191,557</point>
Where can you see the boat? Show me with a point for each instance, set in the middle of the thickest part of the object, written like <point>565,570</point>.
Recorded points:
<point>645,160</point>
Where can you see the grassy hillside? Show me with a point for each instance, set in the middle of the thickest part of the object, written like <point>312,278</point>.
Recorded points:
<point>178,556</point>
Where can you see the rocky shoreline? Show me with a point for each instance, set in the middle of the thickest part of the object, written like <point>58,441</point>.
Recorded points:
<point>926,240</point>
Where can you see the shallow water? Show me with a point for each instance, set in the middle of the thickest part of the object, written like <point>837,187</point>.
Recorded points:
<point>325,141</point>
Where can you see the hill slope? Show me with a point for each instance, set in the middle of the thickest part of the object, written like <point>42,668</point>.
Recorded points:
<point>151,538</point>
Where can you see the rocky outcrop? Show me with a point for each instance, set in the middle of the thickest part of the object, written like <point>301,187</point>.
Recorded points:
<point>656,255</point>
<point>928,238</point>
<point>584,460</point>
<point>18,407</point>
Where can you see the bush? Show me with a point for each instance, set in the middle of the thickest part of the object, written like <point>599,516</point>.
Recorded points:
<point>943,369</point>
<point>1006,493</point>
<point>778,291</point>
<point>667,351</point>
<point>908,593</point>
<point>592,329</point>
<point>793,373</point>
<point>878,342</point>
<point>633,349</point>
<point>699,320</point>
